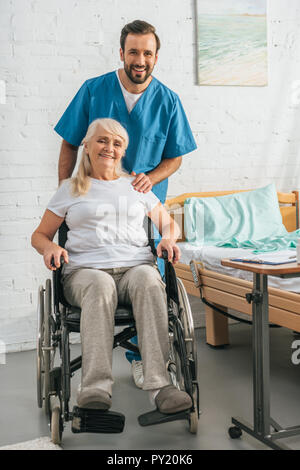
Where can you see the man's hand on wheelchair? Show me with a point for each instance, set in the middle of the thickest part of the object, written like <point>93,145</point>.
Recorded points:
<point>52,256</point>
<point>172,249</point>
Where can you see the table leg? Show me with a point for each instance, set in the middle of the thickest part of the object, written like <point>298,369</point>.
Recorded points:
<point>262,420</point>
<point>261,355</point>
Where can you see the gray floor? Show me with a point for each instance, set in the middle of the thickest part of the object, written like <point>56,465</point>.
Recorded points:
<point>225,390</point>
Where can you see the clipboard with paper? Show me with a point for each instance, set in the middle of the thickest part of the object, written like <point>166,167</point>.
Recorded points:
<point>272,258</point>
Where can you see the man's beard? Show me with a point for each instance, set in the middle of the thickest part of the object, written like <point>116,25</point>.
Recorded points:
<point>138,80</point>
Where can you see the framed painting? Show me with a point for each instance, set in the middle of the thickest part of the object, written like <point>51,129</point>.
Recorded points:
<point>232,42</point>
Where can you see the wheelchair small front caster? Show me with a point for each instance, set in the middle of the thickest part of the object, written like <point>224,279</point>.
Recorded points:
<point>234,432</point>
<point>56,425</point>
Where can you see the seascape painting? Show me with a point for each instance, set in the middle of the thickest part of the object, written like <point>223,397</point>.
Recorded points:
<point>232,42</point>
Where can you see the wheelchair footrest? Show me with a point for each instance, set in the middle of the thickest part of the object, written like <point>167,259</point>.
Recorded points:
<point>97,421</point>
<point>156,417</point>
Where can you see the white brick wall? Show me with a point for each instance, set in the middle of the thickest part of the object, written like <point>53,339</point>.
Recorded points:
<point>247,136</point>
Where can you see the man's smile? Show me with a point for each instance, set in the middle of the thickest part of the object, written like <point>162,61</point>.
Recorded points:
<point>139,69</point>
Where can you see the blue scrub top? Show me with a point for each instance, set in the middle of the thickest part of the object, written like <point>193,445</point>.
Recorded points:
<point>157,125</point>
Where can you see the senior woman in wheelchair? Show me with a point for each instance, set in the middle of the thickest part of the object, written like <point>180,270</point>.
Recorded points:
<point>107,260</point>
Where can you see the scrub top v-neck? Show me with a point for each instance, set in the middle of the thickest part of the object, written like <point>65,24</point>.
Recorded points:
<point>130,98</point>
<point>136,110</point>
<point>157,125</point>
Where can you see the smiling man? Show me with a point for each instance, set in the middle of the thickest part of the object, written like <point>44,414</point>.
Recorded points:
<point>152,114</point>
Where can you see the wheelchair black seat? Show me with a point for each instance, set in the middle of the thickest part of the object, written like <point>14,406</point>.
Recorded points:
<point>123,316</point>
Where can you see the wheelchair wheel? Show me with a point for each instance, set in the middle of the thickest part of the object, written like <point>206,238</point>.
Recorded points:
<point>189,337</point>
<point>182,363</point>
<point>174,364</point>
<point>47,345</point>
<point>180,373</point>
<point>194,415</point>
<point>39,350</point>
<point>188,323</point>
<point>183,355</point>
<point>56,425</point>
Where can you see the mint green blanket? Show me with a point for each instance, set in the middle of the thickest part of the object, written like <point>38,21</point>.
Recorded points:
<point>250,219</point>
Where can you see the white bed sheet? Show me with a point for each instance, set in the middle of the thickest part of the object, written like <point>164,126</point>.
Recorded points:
<point>211,258</point>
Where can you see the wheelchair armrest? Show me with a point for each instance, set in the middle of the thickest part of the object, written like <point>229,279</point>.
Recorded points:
<point>61,262</point>
<point>170,279</point>
<point>167,263</point>
<point>58,293</point>
<point>165,255</point>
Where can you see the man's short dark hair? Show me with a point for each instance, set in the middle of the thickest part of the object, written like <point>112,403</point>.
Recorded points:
<point>138,27</point>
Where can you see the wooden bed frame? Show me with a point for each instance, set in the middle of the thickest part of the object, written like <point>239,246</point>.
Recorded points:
<point>227,292</point>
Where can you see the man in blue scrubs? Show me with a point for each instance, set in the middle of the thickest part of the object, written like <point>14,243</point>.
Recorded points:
<point>152,114</point>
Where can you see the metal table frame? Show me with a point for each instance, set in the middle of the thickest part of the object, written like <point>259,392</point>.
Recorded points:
<point>262,421</point>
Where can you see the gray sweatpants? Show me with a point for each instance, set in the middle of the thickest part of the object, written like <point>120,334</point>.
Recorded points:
<point>98,292</point>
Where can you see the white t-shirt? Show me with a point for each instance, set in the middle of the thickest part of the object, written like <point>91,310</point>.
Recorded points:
<point>105,225</point>
<point>130,98</point>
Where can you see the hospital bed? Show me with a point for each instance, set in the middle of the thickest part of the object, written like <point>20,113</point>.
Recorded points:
<point>225,288</point>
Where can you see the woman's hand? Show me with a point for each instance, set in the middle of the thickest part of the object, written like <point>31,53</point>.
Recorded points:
<point>172,249</point>
<point>54,251</point>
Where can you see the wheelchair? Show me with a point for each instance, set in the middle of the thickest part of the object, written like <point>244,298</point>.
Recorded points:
<point>57,319</point>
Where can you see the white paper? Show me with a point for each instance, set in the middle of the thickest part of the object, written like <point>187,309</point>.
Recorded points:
<point>284,256</point>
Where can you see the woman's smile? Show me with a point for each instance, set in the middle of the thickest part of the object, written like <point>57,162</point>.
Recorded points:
<point>102,155</point>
